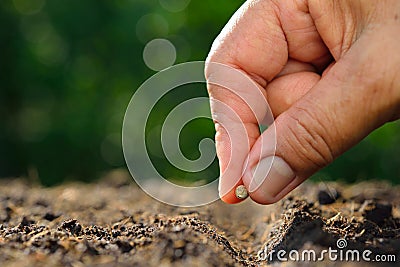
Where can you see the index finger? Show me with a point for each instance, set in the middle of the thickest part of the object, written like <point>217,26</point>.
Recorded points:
<point>238,106</point>
<point>252,48</point>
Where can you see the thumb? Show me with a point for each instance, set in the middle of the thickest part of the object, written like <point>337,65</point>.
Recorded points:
<point>349,102</point>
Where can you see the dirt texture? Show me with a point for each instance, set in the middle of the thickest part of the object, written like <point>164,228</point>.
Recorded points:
<point>113,223</point>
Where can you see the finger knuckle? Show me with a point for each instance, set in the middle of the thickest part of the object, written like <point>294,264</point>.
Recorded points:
<point>308,140</point>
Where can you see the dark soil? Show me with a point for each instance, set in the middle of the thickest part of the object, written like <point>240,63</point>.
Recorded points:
<point>113,223</point>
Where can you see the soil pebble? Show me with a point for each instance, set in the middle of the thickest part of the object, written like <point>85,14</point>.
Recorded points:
<point>327,197</point>
<point>379,212</point>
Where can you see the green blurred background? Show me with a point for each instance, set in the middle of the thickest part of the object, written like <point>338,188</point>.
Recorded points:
<point>69,68</point>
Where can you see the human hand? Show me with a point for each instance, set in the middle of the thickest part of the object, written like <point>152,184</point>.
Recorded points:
<point>330,73</point>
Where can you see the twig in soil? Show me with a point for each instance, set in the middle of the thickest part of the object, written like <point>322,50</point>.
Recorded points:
<point>248,233</point>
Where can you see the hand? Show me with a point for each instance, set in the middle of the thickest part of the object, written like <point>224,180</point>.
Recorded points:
<point>330,71</point>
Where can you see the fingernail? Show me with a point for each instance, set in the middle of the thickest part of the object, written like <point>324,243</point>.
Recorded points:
<point>225,185</point>
<point>272,175</point>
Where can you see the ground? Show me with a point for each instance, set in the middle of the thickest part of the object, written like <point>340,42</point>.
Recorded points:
<point>113,223</point>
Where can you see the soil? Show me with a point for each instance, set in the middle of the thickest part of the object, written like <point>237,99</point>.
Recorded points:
<point>113,223</point>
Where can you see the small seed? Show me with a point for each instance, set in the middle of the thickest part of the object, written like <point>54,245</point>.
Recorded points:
<point>241,192</point>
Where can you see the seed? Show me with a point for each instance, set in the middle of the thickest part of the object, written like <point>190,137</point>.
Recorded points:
<point>241,192</point>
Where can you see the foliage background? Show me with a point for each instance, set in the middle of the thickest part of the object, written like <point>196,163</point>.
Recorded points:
<point>69,68</point>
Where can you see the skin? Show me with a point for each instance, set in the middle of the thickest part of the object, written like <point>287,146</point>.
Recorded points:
<point>330,73</point>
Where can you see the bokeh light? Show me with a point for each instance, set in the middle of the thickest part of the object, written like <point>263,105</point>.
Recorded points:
<point>151,26</point>
<point>33,124</point>
<point>174,5</point>
<point>159,54</point>
<point>29,7</point>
